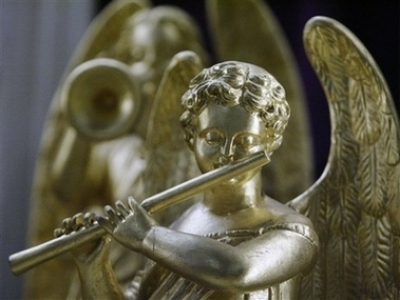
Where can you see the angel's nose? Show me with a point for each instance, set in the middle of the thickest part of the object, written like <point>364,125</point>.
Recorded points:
<point>224,160</point>
<point>227,150</point>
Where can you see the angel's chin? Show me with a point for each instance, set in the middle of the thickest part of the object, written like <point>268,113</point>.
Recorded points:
<point>235,181</point>
<point>238,180</point>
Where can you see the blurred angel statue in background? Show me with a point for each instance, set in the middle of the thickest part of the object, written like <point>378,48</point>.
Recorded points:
<point>94,140</point>
<point>353,209</point>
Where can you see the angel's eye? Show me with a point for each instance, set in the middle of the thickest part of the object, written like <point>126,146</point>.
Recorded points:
<point>247,142</point>
<point>213,138</point>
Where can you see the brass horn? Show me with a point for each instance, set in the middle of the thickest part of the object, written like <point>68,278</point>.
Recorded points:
<point>101,99</point>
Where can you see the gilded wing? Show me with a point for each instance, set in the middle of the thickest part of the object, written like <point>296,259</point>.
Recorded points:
<point>248,31</point>
<point>47,209</point>
<point>169,161</point>
<point>104,32</point>
<point>355,205</point>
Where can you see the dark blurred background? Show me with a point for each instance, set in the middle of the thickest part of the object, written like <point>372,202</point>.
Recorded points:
<point>38,37</point>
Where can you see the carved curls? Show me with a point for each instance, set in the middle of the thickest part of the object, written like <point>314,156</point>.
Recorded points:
<point>235,83</point>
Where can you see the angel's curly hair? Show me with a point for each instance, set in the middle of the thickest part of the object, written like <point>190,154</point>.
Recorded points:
<point>236,83</point>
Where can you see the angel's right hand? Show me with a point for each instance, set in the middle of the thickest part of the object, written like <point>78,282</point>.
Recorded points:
<point>91,252</point>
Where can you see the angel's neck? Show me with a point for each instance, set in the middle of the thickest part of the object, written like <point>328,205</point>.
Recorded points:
<point>230,198</point>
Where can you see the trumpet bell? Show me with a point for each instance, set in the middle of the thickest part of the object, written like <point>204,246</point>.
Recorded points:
<point>101,99</point>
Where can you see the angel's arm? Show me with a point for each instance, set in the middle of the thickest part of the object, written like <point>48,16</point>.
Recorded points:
<point>275,256</point>
<point>98,280</point>
<point>272,258</point>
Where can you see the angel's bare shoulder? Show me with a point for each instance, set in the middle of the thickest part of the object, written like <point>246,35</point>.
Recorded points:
<point>281,213</point>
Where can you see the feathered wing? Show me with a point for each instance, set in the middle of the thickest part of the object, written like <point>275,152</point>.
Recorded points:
<point>169,161</point>
<point>355,205</point>
<point>47,210</point>
<point>248,31</point>
<point>100,38</point>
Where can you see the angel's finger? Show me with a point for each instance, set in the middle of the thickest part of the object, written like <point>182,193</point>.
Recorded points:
<point>89,218</point>
<point>122,209</point>
<point>59,232</point>
<point>112,214</point>
<point>77,221</point>
<point>133,204</point>
<point>67,225</point>
<point>106,224</point>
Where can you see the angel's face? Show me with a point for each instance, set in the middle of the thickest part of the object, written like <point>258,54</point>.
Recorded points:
<point>226,134</point>
<point>153,45</point>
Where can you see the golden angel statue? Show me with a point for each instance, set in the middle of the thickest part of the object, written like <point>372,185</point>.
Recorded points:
<point>92,150</point>
<point>216,249</point>
<point>338,239</point>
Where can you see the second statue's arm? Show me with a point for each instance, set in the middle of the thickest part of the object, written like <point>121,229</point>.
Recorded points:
<point>273,257</point>
<point>98,280</point>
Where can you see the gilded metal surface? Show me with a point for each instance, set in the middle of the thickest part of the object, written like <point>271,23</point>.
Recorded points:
<point>355,205</point>
<point>25,260</point>
<point>241,244</point>
<point>263,43</point>
<point>79,173</point>
<point>234,236</point>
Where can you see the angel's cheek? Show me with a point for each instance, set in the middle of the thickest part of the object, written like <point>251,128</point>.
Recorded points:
<point>206,155</point>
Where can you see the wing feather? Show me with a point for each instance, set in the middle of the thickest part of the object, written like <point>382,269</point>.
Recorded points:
<point>375,242</point>
<point>352,264</point>
<point>346,150</point>
<point>326,68</point>
<point>391,144</point>
<point>364,108</point>
<point>372,176</point>
<point>393,192</point>
<point>396,267</point>
<point>359,192</point>
<point>342,264</point>
<point>334,267</point>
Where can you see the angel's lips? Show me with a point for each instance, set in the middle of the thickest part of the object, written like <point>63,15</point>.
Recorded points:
<point>222,161</point>
<point>231,181</point>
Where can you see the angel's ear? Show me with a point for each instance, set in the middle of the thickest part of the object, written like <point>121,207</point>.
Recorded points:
<point>189,142</point>
<point>189,132</point>
<point>189,123</point>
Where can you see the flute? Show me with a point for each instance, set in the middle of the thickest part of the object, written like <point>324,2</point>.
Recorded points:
<point>25,260</point>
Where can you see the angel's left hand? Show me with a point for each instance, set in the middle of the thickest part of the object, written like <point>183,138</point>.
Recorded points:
<point>130,226</point>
